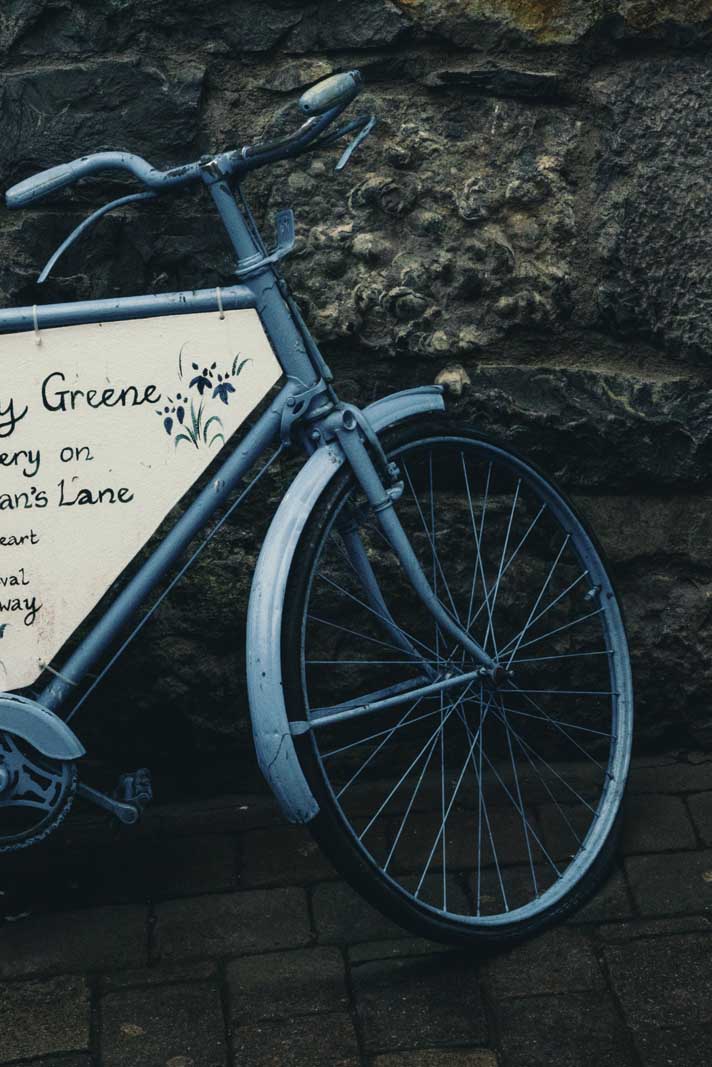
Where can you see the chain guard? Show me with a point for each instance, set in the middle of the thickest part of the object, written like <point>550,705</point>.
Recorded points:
<point>31,783</point>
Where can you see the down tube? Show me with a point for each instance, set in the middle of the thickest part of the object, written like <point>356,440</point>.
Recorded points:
<point>246,453</point>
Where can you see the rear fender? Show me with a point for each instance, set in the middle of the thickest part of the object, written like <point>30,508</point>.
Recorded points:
<point>40,728</point>
<point>270,726</point>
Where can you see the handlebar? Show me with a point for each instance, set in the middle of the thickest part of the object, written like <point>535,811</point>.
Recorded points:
<point>49,181</point>
<point>324,102</point>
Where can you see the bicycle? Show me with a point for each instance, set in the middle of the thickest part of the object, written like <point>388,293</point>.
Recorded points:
<point>438,674</point>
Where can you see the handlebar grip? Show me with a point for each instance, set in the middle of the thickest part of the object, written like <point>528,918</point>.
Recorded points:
<point>332,92</point>
<point>44,183</point>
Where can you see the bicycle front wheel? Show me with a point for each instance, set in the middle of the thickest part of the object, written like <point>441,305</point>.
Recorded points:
<point>481,812</point>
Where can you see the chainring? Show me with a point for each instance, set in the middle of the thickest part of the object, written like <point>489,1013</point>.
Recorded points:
<point>36,793</point>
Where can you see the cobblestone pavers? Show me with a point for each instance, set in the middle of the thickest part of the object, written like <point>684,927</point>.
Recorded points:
<point>42,1016</point>
<point>218,936</point>
<point>161,1024</point>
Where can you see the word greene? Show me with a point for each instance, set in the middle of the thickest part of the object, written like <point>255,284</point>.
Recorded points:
<point>56,398</point>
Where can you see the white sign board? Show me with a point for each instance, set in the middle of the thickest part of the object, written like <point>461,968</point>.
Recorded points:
<point>103,428</point>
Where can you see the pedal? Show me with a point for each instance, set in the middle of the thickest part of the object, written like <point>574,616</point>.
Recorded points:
<point>135,788</point>
<point>132,794</point>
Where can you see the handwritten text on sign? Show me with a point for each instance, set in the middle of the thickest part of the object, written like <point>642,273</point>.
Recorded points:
<point>103,428</point>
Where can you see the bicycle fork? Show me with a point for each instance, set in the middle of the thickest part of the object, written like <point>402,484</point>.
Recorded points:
<point>345,424</point>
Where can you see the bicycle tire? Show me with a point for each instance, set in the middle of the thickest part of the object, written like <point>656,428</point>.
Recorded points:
<point>335,831</point>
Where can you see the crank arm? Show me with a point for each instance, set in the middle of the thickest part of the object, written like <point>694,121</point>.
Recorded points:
<point>125,813</point>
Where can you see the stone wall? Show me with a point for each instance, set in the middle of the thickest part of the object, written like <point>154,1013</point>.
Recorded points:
<point>535,205</point>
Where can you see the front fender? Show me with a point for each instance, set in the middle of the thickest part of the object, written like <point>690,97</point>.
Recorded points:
<point>270,726</point>
<point>42,729</point>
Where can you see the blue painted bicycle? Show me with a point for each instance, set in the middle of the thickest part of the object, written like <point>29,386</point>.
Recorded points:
<point>438,672</point>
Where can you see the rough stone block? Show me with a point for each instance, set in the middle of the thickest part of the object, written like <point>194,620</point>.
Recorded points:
<point>570,1031</point>
<point>701,811</point>
<point>61,1061</point>
<point>656,824</point>
<point>621,933</point>
<point>341,916</point>
<point>650,288</point>
<point>684,1046</point>
<point>427,1001</point>
<point>90,940</point>
<point>672,883</point>
<point>158,974</point>
<point>663,981</point>
<point>558,961</point>
<point>43,1017</point>
<point>166,1025</point>
<point>475,1057</point>
<point>671,778</point>
<point>232,924</point>
<point>287,983</point>
<point>152,869</point>
<point>386,950</point>
<point>292,1042</point>
<point>611,901</point>
<point>288,855</point>
<point>61,112</point>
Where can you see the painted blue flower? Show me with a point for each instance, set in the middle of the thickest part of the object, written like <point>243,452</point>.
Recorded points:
<point>172,408</point>
<point>223,388</point>
<point>204,380</point>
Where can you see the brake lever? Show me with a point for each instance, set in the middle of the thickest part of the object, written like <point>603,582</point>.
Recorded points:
<point>364,124</point>
<point>351,148</point>
<point>86,223</point>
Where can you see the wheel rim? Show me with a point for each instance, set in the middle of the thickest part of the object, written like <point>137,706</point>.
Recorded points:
<point>485,804</point>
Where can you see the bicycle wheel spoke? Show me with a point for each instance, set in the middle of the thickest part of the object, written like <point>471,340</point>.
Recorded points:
<point>365,662</point>
<point>572,692</point>
<point>478,542</point>
<point>558,722</point>
<point>381,618</point>
<point>410,805</point>
<point>355,633</point>
<point>482,811</point>
<point>560,629</point>
<point>532,831</point>
<point>545,784</point>
<point>373,755</point>
<point>549,606</point>
<point>396,787</point>
<point>538,599</point>
<point>562,655</point>
<point>430,540</point>
<point>525,825</point>
<point>495,589</point>
<point>550,768</point>
<point>560,729</point>
<point>390,730</point>
<point>511,559</point>
<point>452,801</point>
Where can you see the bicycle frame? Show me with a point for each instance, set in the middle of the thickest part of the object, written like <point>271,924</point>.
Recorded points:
<point>333,438</point>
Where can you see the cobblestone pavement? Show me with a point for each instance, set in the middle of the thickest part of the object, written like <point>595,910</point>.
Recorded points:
<point>214,934</point>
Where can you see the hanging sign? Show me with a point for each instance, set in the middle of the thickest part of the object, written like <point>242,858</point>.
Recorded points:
<point>103,428</point>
